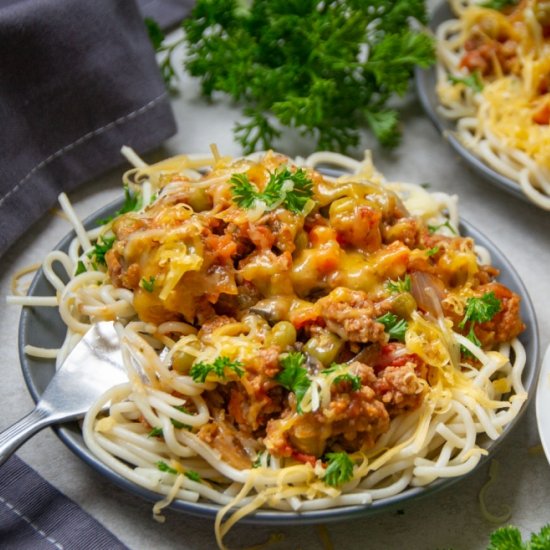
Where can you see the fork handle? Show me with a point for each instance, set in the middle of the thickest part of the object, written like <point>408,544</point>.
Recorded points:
<point>14,436</point>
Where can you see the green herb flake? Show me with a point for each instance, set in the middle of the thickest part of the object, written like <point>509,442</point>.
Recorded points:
<point>401,285</point>
<point>294,377</point>
<point>176,423</point>
<point>292,190</point>
<point>339,469</point>
<point>498,4</point>
<point>101,247</point>
<point>436,228</point>
<point>432,251</point>
<point>148,284</point>
<point>353,379</point>
<point>163,467</point>
<point>193,476</point>
<point>481,310</point>
<point>80,268</point>
<point>473,81</point>
<point>199,371</point>
<point>155,432</point>
<point>395,327</point>
<point>509,538</point>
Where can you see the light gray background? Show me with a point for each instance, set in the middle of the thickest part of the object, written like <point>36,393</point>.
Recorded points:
<point>449,519</point>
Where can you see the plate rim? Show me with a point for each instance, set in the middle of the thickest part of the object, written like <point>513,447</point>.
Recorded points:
<point>71,436</point>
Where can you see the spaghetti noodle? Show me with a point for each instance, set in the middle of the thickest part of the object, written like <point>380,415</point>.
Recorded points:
<point>493,79</point>
<point>292,340</point>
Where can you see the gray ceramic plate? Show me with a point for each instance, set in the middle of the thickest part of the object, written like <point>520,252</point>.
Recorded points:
<point>425,85</point>
<point>43,327</point>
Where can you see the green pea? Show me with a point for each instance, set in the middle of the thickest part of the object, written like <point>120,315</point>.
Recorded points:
<point>324,346</point>
<point>182,361</point>
<point>282,334</point>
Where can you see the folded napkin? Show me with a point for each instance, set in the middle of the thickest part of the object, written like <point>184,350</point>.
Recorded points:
<point>77,81</point>
<point>35,516</point>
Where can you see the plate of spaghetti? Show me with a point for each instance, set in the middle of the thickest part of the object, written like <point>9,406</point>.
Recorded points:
<point>489,92</point>
<point>304,340</point>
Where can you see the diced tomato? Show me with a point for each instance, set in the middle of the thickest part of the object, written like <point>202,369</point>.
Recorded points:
<point>302,457</point>
<point>392,355</point>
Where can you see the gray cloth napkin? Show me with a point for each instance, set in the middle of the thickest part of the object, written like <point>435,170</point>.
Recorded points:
<point>78,79</point>
<point>36,516</point>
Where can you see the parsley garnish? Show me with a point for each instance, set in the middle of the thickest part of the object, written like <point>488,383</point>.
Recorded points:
<point>132,203</point>
<point>339,469</point>
<point>148,284</point>
<point>401,285</point>
<point>294,377</point>
<point>302,65</point>
<point>156,36</point>
<point>155,432</point>
<point>193,476</point>
<point>176,423</point>
<point>394,326</point>
<point>436,228</point>
<point>498,4</point>
<point>432,251</point>
<point>479,310</point>
<point>199,371</point>
<point>80,268</point>
<point>473,81</point>
<point>509,538</point>
<point>353,379</point>
<point>289,189</point>
<point>102,246</point>
<point>163,467</point>
<point>258,462</point>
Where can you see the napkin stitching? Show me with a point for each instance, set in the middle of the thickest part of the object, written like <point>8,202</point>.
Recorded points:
<point>12,508</point>
<point>82,139</point>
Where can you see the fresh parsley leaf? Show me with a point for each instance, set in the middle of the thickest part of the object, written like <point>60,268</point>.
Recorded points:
<point>436,228</point>
<point>294,376</point>
<point>102,246</point>
<point>481,310</point>
<point>199,371</point>
<point>347,377</point>
<point>302,65</point>
<point>498,4</point>
<point>163,467</point>
<point>473,81</point>
<point>258,462</point>
<point>193,476</point>
<point>132,203</point>
<point>155,432</point>
<point>401,285</point>
<point>344,377</point>
<point>394,326</point>
<point>80,268</point>
<point>148,284</point>
<point>289,189</point>
<point>156,36</point>
<point>432,251</point>
<point>176,423</point>
<point>509,538</point>
<point>339,469</point>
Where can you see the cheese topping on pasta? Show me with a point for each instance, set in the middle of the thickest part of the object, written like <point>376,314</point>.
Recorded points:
<point>494,79</point>
<point>293,341</point>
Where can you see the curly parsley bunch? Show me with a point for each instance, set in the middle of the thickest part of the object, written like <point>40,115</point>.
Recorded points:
<point>325,68</point>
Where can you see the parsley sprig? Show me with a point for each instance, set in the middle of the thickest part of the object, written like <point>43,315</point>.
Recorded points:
<point>132,203</point>
<point>101,247</point>
<point>353,379</point>
<point>509,538</point>
<point>473,80</point>
<point>220,366</point>
<point>394,326</point>
<point>498,4</point>
<point>292,190</point>
<point>339,469</point>
<point>293,376</point>
<point>400,285</point>
<point>302,64</point>
<point>479,310</point>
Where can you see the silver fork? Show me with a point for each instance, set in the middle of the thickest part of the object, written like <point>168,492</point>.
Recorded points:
<point>92,367</point>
